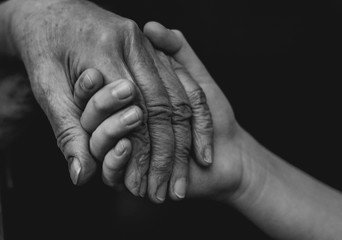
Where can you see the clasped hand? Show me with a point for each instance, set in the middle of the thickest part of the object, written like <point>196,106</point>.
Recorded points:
<point>62,41</point>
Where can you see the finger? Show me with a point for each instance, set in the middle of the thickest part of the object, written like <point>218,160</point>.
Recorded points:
<point>53,94</point>
<point>194,75</point>
<point>114,163</point>
<point>87,84</point>
<point>181,115</point>
<point>112,129</point>
<point>159,123</point>
<point>114,70</point>
<point>106,101</point>
<point>202,124</point>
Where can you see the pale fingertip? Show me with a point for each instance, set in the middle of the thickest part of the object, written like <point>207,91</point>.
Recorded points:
<point>123,90</point>
<point>114,164</point>
<point>208,155</point>
<point>120,148</point>
<point>132,116</point>
<point>161,192</point>
<point>180,188</point>
<point>133,183</point>
<point>75,170</point>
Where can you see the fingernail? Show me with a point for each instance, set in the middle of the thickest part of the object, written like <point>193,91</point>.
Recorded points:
<point>87,83</point>
<point>122,91</point>
<point>133,182</point>
<point>131,116</point>
<point>120,148</point>
<point>180,187</point>
<point>75,170</point>
<point>208,155</point>
<point>161,192</point>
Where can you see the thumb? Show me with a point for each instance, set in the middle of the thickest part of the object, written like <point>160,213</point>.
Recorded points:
<point>174,43</point>
<point>162,38</point>
<point>54,94</point>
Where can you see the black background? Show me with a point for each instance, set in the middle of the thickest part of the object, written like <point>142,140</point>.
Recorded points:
<point>280,73</point>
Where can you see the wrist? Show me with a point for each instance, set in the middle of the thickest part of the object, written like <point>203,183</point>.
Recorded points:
<point>257,166</point>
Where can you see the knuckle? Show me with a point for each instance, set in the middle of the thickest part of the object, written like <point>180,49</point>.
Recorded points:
<point>202,119</point>
<point>133,37</point>
<point>140,142</point>
<point>130,26</point>
<point>105,37</point>
<point>65,136</point>
<point>203,124</point>
<point>181,159</point>
<point>162,167</point>
<point>198,99</point>
<point>159,112</point>
<point>181,112</point>
<point>183,137</point>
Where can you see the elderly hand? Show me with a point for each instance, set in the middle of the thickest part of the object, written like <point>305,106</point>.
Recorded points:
<point>57,41</point>
<point>126,119</point>
<point>226,173</point>
<point>224,178</point>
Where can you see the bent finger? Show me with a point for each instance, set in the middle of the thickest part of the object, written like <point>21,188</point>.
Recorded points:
<point>106,101</point>
<point>89,82</point>
<point>113,71</point>
<point>114,163</point>
<point>202,124</point>
<point>112,129</point>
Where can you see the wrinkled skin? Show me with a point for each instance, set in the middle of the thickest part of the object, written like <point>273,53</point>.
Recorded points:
<point>223,179</point>
<point>118,126</point>
<point>58,40</point>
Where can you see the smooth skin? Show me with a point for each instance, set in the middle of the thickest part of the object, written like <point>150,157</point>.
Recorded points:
<point>58,40</point>
<point>283,201</point>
